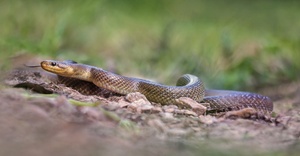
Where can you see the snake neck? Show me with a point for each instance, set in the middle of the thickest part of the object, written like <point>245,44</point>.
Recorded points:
<point>81,72</point>
<point>113,82</point>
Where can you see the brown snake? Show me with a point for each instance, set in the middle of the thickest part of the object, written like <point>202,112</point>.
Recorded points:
<point>187,86</point>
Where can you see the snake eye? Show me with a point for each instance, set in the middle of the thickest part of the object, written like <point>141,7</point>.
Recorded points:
<point>53,64</point>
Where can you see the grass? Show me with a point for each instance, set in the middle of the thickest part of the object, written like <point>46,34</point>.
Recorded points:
<point>230,45</point>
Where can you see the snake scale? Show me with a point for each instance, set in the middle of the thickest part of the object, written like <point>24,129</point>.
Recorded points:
<point>187,86</point>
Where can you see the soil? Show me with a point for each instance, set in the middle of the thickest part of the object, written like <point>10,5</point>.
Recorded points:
<point>35,121</point>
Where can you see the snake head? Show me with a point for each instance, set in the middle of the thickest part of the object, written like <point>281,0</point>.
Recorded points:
<point>67,68</point>
<point>62,68</point>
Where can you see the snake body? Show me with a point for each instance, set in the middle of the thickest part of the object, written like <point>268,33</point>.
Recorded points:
<point>187,86</point>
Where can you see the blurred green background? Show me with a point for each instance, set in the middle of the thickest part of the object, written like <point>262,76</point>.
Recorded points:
<point>234,44</point>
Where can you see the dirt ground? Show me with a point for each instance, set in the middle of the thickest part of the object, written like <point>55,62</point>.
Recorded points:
<point>58,124</point>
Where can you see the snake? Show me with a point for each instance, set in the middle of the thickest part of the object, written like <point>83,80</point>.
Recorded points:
<point>187,85</point>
